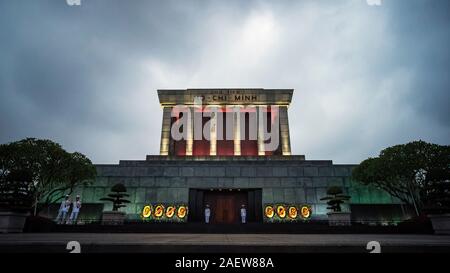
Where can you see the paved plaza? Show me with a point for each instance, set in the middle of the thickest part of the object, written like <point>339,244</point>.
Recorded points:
<point>215,243</point>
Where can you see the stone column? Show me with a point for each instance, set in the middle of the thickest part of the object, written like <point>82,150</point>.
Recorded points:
<point>213,133</point>
<point>237,130</point>
<point>284,131</point>
<point>190,133</point>
<point>260,127</point>
<point>165,131</point>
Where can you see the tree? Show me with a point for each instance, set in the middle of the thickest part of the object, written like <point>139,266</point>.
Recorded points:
<point>15,191</point>
<point>76,170</point>
<point>436,193</point>
<point>55,172</point>
<point>401,170</point>
<point>117,196</point>
<point>335,198</point>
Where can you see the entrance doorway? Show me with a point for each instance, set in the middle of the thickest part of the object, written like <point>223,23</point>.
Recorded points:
<point>225,205</point>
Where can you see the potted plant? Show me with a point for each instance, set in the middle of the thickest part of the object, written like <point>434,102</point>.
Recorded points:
<point>436,196</point>
<point>335,197</point>
<point>117,197</point>
<point>16,200</point>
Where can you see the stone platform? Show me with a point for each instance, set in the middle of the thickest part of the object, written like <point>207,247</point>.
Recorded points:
<point>280,179</point>
<point>218,243</point>
<point>311,227</point>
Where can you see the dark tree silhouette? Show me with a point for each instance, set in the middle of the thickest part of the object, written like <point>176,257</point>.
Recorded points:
<point>401,170</point>
<point>118,192</point>
<point>15,191</point>
<point>54,171</point>
<point>335,198</point>
<point>436,193</point>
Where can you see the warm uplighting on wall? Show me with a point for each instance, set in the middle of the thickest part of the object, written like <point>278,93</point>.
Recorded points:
<point>165,212</point>
<point>286,212</point>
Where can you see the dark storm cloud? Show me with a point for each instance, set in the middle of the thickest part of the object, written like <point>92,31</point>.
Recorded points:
<point>366,77</point>
<point>422,29</point>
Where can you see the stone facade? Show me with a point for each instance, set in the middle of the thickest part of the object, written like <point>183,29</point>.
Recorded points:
<point>282,180</point>
<point>277,177</point>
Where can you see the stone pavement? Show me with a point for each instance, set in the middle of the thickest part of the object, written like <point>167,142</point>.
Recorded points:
<point>216,243</point>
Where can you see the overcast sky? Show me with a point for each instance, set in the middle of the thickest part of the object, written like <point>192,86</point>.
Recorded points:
<point>365,76</point>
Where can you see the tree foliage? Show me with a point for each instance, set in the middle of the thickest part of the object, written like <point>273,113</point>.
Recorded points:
<point>118,192</point>
<point>436,193</point>
<point>54,171</point>
<point>335,198</point>
<point>16,191</point>
<point>401,170</point>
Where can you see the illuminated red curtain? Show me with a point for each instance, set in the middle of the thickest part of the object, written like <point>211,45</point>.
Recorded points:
<point>268,125</point>
<point>224,147</point>
<point>248,147</point>
<point>202,147</point>
<point>179,145</point>
<point>271,115</point>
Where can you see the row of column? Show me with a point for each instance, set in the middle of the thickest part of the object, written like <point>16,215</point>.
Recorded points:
<point>284,134</point>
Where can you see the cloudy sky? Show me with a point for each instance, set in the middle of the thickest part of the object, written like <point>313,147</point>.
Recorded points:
<point>365,76</point>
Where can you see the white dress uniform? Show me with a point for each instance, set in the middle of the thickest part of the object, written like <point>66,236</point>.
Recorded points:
<point>75,210</point>
<point>63,210</point>
<point>207,215</point>
<point>243,215</point>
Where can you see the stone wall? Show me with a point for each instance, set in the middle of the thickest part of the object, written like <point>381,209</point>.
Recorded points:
<point>283,180</point>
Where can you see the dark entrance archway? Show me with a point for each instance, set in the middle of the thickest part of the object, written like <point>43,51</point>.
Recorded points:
<point>225,205</point>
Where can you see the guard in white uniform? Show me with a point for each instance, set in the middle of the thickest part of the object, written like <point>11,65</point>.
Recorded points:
<point>207,214</point>
<point>63,210</point>
<point>243,214</point>
<point>75,210</point>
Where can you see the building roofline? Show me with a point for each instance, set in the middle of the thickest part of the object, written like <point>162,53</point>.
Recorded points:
<point>257,96</point>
